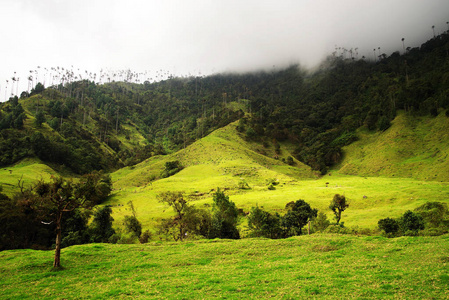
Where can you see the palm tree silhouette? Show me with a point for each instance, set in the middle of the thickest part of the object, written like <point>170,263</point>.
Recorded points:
<point>403,45</point>
<point>433,29</point>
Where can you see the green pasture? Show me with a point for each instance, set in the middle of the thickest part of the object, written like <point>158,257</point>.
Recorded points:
<point>370,198</point>
<point>414,147</point>
<point>316,266</point>
<point>28,171</point>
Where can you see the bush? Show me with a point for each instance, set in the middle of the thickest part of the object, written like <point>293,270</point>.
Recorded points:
<point>334,228</point>
<point>388,225</point>
<point>435,214</point>
<point>145,237</point>
<point>225,217</point>
<point>251,133</point>
<point>133,226</point>
<point>127,238</point>
<point>264,224</point>
<point>410,223</point>
<point>243,185</point>
<point>320,223</point>
<point>171,168</point>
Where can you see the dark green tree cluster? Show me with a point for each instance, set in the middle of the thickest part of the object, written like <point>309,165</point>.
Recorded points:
<point>263,223</point>
<point>431,218</point>
<point>13,114</point>
<point>31,217</point>
<point>190,221</point>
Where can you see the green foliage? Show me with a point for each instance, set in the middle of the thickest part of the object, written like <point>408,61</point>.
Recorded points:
<point>243,185</point>
<point>251,133</point>
<point>389,225</point>
<point>75,229</point>
<point>338,205</point>
<point>133,226</point>
<point>320,223</point>
<point>175,226</point>
<point>171,168</point>
<point>411,223</point>
<point>39,119</point>
<point>383,123</point>
<point>299,214</point>
<point>434,214</point>
<point>145,237</point>
<point>264,224</point>
<point>101,227</point>
<point>224,217</point>
<point>39,88</point>
<point>95,186</point>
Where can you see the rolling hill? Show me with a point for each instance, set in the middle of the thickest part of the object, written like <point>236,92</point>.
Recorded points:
<point>223,159</point>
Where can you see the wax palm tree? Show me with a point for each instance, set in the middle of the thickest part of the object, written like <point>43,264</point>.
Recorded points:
<point>403,44</point>
<point>433,29</point>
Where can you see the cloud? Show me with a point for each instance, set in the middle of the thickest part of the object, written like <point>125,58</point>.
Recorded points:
<point>205,36</point>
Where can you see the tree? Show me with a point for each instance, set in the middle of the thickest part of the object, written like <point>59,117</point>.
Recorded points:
<point>95,186</point>
<point>57,198</point>
<point>434,214</point>
<point>411,223</point>
<point>133,225</point>
<point>299,214</point>
<point>388,225</point>
<point>39,119</point>
<point>321,222</point>
<point>101,228</point>
<point>338,205</point>
<point>262,223</point>
<point>224,218</point>
<point>176,201</point>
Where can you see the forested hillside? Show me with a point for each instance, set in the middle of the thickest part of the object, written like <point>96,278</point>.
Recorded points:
<point>85,126</point>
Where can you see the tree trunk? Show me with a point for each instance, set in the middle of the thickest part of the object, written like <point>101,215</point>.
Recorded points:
<point>57,262</point>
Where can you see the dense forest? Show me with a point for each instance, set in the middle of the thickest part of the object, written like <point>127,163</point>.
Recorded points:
<point>86,126</point>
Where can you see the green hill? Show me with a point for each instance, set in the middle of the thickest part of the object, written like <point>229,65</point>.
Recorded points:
<point>415,147</point>
<point>223,159</point>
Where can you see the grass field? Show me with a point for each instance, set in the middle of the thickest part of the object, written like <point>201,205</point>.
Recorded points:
<point>316,266</point>
<point>413,147</point>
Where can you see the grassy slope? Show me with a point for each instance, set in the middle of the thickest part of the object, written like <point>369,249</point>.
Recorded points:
<point>323,266</point>
<point>28,170</point>
<point>415,147</point>
<point>223,158</point>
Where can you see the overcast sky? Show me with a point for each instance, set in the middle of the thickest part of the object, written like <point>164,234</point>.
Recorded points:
<point>207,36</point>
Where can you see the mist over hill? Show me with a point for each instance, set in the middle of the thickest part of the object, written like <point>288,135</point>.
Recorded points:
<point>87,126</point>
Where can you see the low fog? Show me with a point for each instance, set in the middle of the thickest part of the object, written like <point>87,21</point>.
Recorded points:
<point>185,37</point>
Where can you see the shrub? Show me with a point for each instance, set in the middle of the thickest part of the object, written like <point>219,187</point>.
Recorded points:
<point>251,133</point>
<point>321,222</point>
<point>435,214</point>
<point>133,226</point>
<point>145,237</point>
<point>171,168</point>
<point>264,224</point>
<point>388,225</point>
<point>410,223</point>
<point>297,217</point>
<point>243,185</point>
<point>225,217</point>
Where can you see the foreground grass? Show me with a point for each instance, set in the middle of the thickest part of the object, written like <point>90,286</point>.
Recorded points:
<point>324,266</point>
